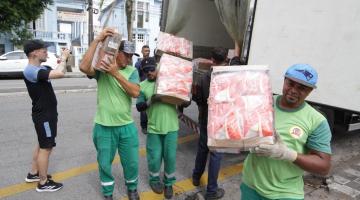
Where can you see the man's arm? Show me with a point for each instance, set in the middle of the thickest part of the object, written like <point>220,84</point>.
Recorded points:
<point>112,68</point>
<point>85,65</point>
<point>60,70</point>
<point>314,162</point>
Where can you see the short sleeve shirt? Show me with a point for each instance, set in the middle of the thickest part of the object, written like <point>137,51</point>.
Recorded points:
<point>301,129</point>
<point>113,102</point>
<point>41,92</point>
<point>162,117</point>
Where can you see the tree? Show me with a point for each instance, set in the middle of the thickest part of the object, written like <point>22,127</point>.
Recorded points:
<point>15,15</point>
<point>129,13</point>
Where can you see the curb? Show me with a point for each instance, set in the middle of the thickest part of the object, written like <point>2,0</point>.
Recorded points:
<point>12,94</point>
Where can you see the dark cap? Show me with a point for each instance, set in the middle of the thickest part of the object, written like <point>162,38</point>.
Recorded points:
<point>148,62</point>
<point>128,47</point>
<point>33,45</point>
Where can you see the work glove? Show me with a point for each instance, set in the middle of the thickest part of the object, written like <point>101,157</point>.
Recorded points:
<point>278,151</point>
<point>149,102</point>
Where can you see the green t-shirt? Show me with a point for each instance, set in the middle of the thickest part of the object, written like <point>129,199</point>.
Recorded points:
<point>113,103</point>
<point>301,129</point>
<point>162,117</point>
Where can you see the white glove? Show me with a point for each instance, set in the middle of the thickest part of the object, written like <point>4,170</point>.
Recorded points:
<point>278,151</point>
<point>148,102</point>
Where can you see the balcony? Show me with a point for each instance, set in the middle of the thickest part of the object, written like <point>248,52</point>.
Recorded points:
<point>53,36</point>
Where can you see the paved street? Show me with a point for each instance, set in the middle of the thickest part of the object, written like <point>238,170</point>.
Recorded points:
<point>73,161</point>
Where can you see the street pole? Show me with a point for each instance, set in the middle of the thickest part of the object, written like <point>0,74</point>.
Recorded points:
<point>90,29</point>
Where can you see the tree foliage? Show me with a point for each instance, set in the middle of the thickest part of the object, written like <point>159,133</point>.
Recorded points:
<point>16,14</point>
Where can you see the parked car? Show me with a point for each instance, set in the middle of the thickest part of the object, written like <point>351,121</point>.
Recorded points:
<point>13,63</point>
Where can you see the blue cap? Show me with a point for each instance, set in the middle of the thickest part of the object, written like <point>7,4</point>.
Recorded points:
<point>303,74</point>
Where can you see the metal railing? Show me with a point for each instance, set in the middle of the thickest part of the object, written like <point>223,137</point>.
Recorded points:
<point>55,36</point>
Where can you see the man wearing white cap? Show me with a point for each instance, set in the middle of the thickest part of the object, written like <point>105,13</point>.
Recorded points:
<point>302,143</point>
<point>114,130</point>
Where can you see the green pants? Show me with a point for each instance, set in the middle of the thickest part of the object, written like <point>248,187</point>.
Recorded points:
<point>159,147</point>
<point>107,141</point>
<point>248,193</point>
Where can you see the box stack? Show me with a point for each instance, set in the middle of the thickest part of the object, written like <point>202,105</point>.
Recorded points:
<point>240,108</point>
<point>175,76</point>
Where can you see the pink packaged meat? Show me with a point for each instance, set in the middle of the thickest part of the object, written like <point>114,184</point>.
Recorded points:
<point>106,51</point>
<point>167,43</point>
<point>240,114</point>
<point>174,80</point>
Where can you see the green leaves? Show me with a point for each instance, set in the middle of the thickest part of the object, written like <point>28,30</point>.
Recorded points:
<point>16,14</point>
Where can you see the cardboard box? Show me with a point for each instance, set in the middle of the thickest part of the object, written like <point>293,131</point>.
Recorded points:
<point>173,45</point>
<point>106,51</point>
<point>240,114</point>
<point>174,80</point>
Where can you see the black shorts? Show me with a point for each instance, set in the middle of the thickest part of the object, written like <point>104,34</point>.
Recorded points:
<point>46,132</point>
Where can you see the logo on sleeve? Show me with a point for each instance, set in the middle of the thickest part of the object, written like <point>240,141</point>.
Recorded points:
<point>296,132</point>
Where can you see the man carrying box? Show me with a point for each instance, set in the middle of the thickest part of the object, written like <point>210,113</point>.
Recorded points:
<point>303,143</point>
<point>114,126</point>
<point>163,126</point>
<point>218,56</point>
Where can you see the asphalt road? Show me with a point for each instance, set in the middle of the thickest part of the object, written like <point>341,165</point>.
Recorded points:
<point>73,161</point>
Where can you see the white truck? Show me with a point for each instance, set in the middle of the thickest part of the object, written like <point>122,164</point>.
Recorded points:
<point>279,33</point>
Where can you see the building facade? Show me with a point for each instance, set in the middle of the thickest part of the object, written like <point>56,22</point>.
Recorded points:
<point>146,19</point>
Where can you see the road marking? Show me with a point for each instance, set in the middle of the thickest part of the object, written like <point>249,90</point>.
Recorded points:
<point>61,176</point>
<point>341,180</point>
<point>353,172</point>
<point>186,185</point>
<point>344,189</point>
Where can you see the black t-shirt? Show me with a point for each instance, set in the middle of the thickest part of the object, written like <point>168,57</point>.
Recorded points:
<point>41,92</point>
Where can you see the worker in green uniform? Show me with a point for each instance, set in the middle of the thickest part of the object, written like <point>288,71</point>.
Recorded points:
<point>114,129</point>
<point>162,132</point>
<point>274,171</point>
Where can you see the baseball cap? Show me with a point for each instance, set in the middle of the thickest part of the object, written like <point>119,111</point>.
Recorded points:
<point>302,73</point>
<point>148,64</point>
<point>32,45</point>
<point>128,47</point>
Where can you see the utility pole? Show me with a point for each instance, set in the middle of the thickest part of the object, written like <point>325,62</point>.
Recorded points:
<point>90,28</point>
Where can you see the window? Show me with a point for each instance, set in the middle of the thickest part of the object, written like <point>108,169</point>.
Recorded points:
<point>140,5</point>
<point>140,19</point>
<point>140,38</point>
<point>40,23</point>
<point>16,56</point>
<point>134,37</point>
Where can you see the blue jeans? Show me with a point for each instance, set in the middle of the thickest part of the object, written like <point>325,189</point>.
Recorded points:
<point>200,162</point>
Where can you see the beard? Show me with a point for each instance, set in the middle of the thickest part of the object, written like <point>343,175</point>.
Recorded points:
<point>43,59</point>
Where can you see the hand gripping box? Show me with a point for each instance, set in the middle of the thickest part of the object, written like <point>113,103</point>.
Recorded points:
<point>240,103</point>
<point>106,50</point>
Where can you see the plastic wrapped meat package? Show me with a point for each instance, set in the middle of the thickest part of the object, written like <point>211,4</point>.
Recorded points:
<point>240,112</point>
<point>106,51</point>
<point>167,43</point>
<point>174,80</point>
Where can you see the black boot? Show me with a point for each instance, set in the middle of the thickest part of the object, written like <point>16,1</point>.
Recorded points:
<point>216,195</point>
<point>133,195</point>
<point>168,192</point>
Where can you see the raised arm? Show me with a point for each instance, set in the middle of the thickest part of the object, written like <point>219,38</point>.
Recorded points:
<point>85,65</point>
<point>60,70</point>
